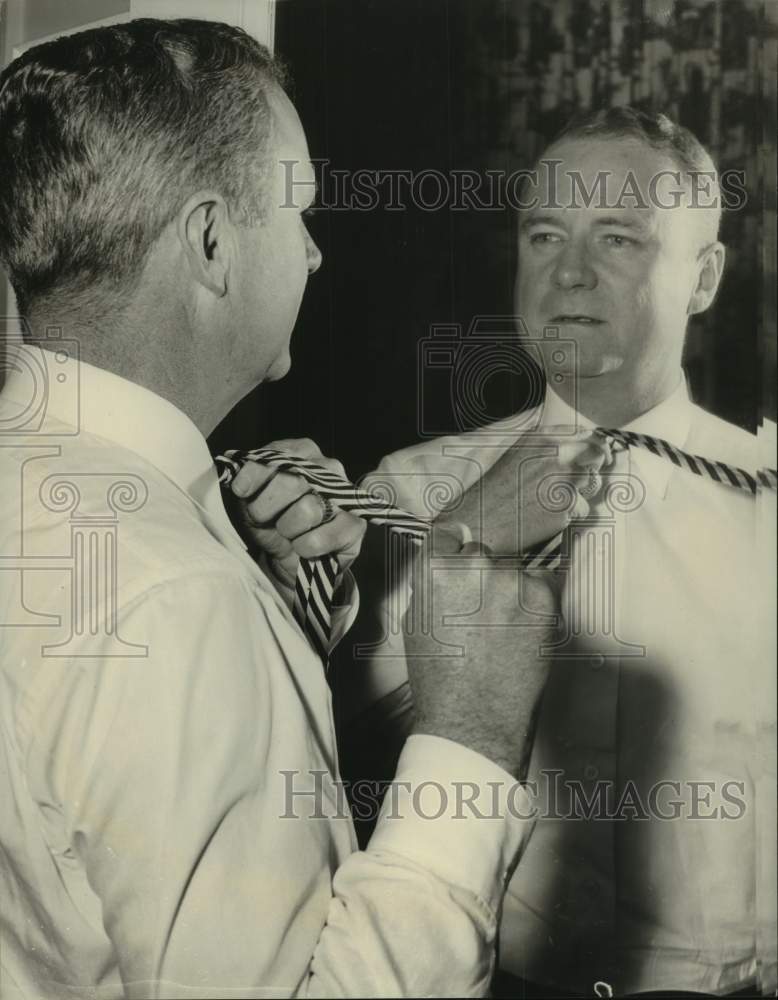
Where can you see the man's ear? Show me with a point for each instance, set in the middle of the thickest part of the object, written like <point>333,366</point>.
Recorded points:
<point>710,268</point>
<point>207,238</point>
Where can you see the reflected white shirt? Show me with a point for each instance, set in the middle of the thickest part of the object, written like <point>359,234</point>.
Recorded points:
<point>684,692</point>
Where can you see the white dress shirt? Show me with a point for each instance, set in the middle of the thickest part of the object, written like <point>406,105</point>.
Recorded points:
<point>675,685</point>
<point>162,718</point>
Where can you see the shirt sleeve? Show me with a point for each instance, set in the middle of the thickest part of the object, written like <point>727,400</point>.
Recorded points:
<point>424,897</point>
<point>164,769</point>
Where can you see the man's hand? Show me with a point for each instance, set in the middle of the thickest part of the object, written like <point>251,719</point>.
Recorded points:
<point>281,514</point>
<point>532,492</point>
<point>486,697</point>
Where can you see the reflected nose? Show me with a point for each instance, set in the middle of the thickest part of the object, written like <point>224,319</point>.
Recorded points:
<point>313,254</point>
<point>572,268</point>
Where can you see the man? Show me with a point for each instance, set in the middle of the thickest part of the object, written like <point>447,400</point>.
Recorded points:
<point>172,823</point>
<point>642,876</point>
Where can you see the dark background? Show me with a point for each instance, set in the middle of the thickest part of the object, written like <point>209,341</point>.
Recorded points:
<point>451,84</point>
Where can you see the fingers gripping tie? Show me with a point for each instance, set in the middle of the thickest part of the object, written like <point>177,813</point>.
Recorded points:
<point>317,578</point>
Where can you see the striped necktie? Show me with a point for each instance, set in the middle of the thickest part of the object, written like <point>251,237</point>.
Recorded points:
<point>317,578</point>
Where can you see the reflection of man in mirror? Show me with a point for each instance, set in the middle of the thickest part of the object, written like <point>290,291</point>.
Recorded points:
<point>653,867</point>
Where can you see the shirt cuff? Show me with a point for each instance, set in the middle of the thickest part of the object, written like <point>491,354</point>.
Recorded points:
<point>457,814</point>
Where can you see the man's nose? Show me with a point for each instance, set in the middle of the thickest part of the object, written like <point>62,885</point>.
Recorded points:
<point>313,254</point>
<point>572,268</point>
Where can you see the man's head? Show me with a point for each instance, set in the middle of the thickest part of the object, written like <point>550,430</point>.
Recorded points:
<point>140,168</point>
<point>618,249</point>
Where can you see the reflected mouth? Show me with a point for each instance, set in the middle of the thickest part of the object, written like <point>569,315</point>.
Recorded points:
<point>581,318</point>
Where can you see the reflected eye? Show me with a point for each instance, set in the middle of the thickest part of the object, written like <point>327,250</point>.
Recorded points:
<point>540,238</point>
<point>615,240</point>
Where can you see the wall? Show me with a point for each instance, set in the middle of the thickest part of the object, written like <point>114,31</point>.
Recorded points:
<point>44,17</point>
<point>28,19</point>
<point>706,63</point>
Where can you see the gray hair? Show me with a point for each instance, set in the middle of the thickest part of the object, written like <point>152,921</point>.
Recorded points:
<point>105,133</point>
<point>662,134</point>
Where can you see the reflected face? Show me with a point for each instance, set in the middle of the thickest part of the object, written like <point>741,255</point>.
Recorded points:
<point>615,280</point>
<point>277,255</point>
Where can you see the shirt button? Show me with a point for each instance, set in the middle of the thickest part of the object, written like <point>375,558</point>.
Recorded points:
<point>597,661</point>
<point>591,772</point>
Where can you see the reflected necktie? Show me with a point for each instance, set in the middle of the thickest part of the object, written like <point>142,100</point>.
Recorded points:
<point>548,555</point>
<point>317,578</point>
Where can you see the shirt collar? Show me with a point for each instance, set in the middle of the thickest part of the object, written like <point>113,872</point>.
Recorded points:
<point>669,420</point>
<point>104,404</point>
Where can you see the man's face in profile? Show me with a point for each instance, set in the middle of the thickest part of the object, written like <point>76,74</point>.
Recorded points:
<point>615,276</point>
<point>278,254</point>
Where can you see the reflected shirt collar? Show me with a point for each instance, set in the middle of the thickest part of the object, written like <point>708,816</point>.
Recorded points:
<point>669,420</point>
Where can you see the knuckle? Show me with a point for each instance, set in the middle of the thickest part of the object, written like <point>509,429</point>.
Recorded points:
<point>310,505</point>
<point>294,446</point>
<point>339,528</point>
<point>254,514</point>
<point>283,528</point>
<point>333,465</point>
<point>250,477</point>
<point>283,547</point>
<point>295,519</point>
<point>249,470</point>
<point>289,480</point>
<point>287,486</point>
<point>310,545</point>
<point>352,534</point>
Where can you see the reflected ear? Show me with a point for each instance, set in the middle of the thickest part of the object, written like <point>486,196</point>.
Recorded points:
<point>710,268</point>
<point>207,237</point>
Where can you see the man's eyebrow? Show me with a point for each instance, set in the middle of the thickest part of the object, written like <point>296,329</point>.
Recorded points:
<point>623,221</point>
<point>540,220</point>
<point>619,220</point>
